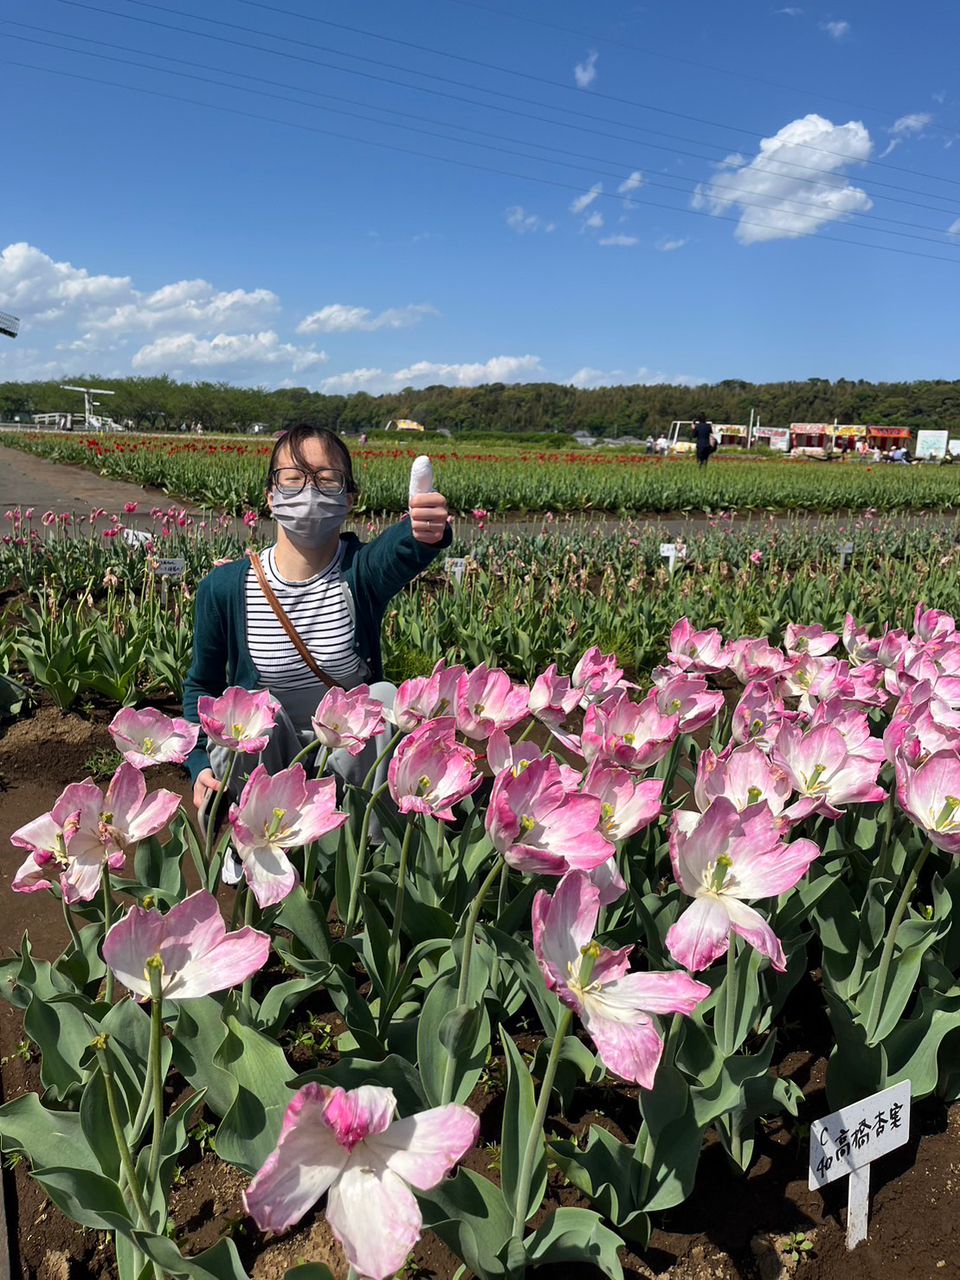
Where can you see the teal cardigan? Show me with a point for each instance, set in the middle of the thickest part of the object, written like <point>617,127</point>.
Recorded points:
<point>373,571</point>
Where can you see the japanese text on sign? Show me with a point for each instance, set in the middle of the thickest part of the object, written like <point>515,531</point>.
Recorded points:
<point>851,1138</point>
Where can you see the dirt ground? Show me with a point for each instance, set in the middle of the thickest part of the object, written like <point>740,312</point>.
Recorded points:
<point>732,1228</point>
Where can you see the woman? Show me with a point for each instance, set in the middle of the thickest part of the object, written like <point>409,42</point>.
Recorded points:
<point>333,588</point>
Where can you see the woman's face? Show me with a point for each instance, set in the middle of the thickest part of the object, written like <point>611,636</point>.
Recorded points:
<point>321,461</point>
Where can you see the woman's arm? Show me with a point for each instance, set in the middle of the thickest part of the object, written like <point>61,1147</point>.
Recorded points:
<point>395,558</point>
<point>208,669</point>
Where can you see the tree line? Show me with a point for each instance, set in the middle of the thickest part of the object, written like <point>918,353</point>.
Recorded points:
<point>163,404</point>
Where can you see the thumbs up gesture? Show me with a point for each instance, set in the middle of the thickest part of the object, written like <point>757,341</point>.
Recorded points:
<point>428,509</point>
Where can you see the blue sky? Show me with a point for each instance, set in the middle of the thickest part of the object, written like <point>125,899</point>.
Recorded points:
<point>668,192</point>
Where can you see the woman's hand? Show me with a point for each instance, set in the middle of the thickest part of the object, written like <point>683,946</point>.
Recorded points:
<point>428,517</point>
<point>206,783</point>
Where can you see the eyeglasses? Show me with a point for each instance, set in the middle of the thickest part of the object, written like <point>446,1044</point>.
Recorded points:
<point>292,480</point>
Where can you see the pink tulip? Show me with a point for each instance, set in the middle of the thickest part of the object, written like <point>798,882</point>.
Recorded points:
<point>614,1005</point>
<point>596,675</point>
<point>427,697</point>
<point>239,719</point>
<point>198,955</point>
<point>689,698</point>
<point>347,718</point>
<point>630,735</point>
<point>745,776</point>
<point>280,812</point>
<point>349,1145</point>
<point>823,772</point>
<point>859,644</point>
<point>87,828</point>
<point>720,859</point>
<point>759,715</point>
<point>149,737</point>
<point>539,827</point>
<point>626,805</point>
<point>504,754</point>
<point>431,772</point>
<point>755,660</point>
<point>250,519</point>
<point>866,686</point>
<point>853,725</point>
<point>699,652</point>
<point>553,698</point>
<point>490,700</point>
<point>932,624</point>
<point>814,641</point>
<point>921,725</point>
<point>47,519</point>
<point>930,796</point>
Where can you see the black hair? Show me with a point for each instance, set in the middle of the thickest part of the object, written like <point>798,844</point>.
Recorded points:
<point>701,417</point>
<point>296,437</point>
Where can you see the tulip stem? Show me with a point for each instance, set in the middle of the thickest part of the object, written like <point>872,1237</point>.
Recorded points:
<point>884,869</point>
<point>302,756</point>
<point>107,922</point>
<point>501,908</point>
<point>215,811</point>
<point>247,919</point>
<point>372,772</point>
<point>535,1136</point>
<point>361,861</point>
<point>394,952</point>
<point>886,956</point>
<point>126,1159</point>
<point>68,918</point>
<point>531,725</point>
<point>155,1070</point>
<point>463,987</point>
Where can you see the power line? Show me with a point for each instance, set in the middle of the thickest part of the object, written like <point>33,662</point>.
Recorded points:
<point>426,155</point>
<point>667,55</point>
<point>594,167</point>
<point>81,4</point>
<point>491,66</point>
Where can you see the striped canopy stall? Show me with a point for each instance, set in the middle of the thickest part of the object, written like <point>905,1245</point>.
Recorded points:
<point>9,325</point>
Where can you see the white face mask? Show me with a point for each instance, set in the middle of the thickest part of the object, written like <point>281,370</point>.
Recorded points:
<point>310,518</point>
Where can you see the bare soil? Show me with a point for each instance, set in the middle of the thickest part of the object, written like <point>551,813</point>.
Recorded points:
<point>732,1227</point>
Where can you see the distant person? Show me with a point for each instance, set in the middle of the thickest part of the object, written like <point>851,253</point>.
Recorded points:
<point>662,446</point>
<point>363,437</point>
<point>704,439</point>
<point>651,444</point>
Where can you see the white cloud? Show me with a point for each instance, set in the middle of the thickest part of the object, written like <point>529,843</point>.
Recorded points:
<point>836,29</point>
<point>190,304</point>
<point>186,352</point>
<point>791,11</point>
<point>522,222</point>
<point>37,288</point>
<point>595,221</point>
<point>954,228</point>
<point>908,126</point>
<point>774,191</point>
<point>671,246</point>
<point>338,318</point>
<point>587,199</point>
<point>633,183</point>
<point>424,373</point>
<point>586,72</point>
<point>587,377</point>
<point>620,242</point>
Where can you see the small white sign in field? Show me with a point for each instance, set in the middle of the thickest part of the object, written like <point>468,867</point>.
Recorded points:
<point>843,1145</point>
<point>172,568</point>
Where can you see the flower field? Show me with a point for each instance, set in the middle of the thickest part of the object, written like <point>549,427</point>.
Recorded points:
<point>588,901</point>
<point>628,866</point>
<point>226,474</point>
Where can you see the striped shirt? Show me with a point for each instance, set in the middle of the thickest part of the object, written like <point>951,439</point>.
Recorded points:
<point>320,611</point>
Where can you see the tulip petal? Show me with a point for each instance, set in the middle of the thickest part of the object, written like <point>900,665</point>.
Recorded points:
<point>631,1049</point>
<point>701,935</point>
<point>752,927</point>
<point>767,874</point>
<point>375,1218</point>
<point>304,1164</point>
<point>422,1149</point>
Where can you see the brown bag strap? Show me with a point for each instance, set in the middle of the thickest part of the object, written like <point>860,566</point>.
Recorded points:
<point>287,625</point>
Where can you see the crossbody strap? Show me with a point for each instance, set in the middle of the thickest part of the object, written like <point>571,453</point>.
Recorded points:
<point>287,625</point>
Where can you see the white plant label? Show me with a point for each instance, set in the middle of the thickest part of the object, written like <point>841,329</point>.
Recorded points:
<point>846,553</point>
<point>668,551</point>
<point>136,537</point>
<point>844,1144</point>
<point>457,567</point>
<point>172,568</point>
